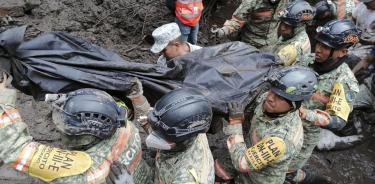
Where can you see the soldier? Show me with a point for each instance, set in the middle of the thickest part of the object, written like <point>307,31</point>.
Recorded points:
<point>330,106</point>
<point>365,98</point>
<point>293,41</point>
<point>257,20</point>
<point>327,10</point>
<point>177,127</point>
<point>276,132</point>
<point>89,121</point>
<point>168,41</point>
<point>364,16</point>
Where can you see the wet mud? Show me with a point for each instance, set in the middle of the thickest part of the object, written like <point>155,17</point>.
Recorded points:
<point>125,26</point>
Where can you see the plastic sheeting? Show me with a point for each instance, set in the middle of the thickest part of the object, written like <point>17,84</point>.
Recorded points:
<point>57,62</point>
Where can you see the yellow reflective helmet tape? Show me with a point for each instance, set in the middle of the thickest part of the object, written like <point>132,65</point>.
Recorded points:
<point>49,163</point>
<point>266,152</point>
<point>288,55</point>
<point>338,105</point>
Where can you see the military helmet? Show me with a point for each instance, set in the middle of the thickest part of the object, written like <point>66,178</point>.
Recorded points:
<point>321,8</point>
<point>294,83</point>
<point>181,114</point>
<point>297,13</point>
<point>88,112</point>
<point>338,34</point>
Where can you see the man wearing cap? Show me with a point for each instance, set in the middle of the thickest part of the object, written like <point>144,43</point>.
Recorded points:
<point>168,41</point>
<point>364,16</point>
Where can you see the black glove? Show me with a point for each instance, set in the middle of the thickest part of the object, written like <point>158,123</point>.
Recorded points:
<point>236,112</point>
<point>119,175</point>
<point>136,89</point>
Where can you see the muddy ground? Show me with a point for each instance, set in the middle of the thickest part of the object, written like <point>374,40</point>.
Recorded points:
<point>124,26</point>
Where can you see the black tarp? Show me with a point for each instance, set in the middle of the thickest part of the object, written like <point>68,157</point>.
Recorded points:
<point>57,62</point>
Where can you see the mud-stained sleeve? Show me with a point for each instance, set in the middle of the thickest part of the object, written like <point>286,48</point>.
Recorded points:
<point>141,109</point>
<point>240,16</point>
<point>22,154</point>
<point>13,132</point>
<point>267,151</point>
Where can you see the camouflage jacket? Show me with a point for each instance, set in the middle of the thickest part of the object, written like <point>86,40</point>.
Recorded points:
<point>326,84</point>
<point>300,42</point>
<point>288,128</point>
<point>18,150</point>
<point>258,20</point>
<point>194,165</point>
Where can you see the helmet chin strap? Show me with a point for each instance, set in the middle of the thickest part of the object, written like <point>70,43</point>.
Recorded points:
<point>330,54</point>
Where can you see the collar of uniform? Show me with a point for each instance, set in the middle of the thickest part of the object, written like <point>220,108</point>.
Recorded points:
<point>333,73</point>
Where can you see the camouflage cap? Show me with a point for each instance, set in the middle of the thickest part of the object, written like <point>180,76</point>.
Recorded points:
<point>163,35</point>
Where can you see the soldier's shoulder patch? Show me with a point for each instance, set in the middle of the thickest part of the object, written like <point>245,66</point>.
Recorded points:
<point>349,96</point>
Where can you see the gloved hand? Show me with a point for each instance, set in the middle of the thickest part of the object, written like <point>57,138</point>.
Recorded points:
<point>236,113</point>
<point>136,89</point>
<point>219,32</point>
<point>55,98</point>
<point>5,80</point>
<point>288,55</point>
<point>119,175</point>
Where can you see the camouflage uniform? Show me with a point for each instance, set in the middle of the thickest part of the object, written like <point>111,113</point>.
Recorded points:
<point>194,165</point>
<point>288,128</point>
<point>258,20</point>
<point>124,146</point>
<point>342,9</point>
<point>300,41</point>
<point>326,82</point>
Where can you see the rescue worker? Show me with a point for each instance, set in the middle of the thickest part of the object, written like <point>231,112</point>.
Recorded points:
<point>188,13</point>
<point>169,42</point>
<point>176,128</point>
<point>256,20</point>
<point>365,98</point>
<point>364,16</point>
<point>90,121</point>
<point>330,106</point>
<point>327,10</point>
<point>276,132</point>
<point>293,43</point>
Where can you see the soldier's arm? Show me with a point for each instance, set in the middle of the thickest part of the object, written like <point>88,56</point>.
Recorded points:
<point>140,104</point>
<point>267,151</point>
<point>239,17</point>
<point>337,109</point>
<point>22,154</point>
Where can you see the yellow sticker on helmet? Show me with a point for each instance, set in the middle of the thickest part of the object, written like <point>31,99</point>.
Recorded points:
<point>338,105</point>
<point>49,163</point>
<point>290,89</point>
<point>266,152</point>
